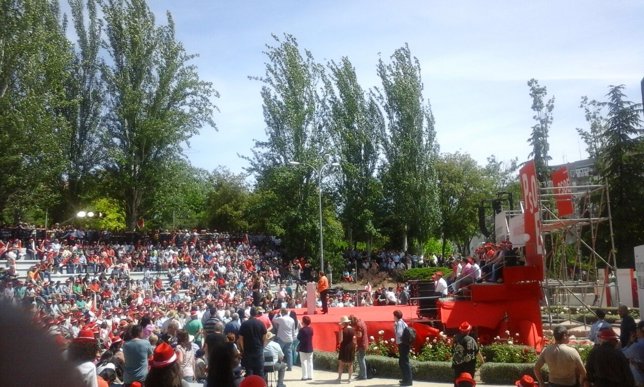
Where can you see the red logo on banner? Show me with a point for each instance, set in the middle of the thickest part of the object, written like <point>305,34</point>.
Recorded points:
<point>530,190</point>
<point>561,183</point>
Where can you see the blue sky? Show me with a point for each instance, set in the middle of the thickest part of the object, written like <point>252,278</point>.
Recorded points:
<point>476,58</point>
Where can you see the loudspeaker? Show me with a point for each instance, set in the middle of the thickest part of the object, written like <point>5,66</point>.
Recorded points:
<point>427,299</point>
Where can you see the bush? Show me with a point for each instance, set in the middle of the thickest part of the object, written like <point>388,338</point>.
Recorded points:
<point>423,273</point>
<point>506,373</point>
<point>506,353</point>
<point>387,367</point>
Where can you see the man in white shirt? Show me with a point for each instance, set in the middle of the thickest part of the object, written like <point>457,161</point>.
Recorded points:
<point>285,326</point>
<point>440,285</point>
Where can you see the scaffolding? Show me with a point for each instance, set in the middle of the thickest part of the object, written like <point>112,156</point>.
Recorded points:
<point>577,282</point>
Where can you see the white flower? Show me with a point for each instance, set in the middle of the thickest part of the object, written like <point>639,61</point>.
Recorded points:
<point>392,340</point>
<point>510,342</point>
<point>381,332</point>
<point>497,338</point>
<point>371,338</point>
<point>427,338</point>
<point>517,334</point>
<point>507,333</point>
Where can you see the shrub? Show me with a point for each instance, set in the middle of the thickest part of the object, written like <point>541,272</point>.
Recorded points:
<point>508,353</point>
<point>506,373</point>
<point>423,273</point>
<point>436,349</point>
<point>387,367</point>
<point>382,346</point>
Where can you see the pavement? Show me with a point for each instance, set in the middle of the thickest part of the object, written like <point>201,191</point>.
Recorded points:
<point>328,378</point>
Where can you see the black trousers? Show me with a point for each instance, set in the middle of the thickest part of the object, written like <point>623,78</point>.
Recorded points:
<point>324,297</point>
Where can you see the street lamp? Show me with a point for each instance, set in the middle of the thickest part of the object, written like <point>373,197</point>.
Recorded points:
<point>319,170</point>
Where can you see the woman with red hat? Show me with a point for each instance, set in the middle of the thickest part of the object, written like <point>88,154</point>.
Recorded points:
<point>82,352</point>
<point>465,351</point>
<point>165,371</point>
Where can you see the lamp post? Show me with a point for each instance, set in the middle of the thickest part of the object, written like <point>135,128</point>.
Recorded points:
<point>319,171</point>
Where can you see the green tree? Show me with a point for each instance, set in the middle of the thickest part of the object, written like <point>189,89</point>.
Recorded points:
<point>34,58</point>
<point>155,102</point>
<point>621,165</point>
<point>354,125</point>
<point>84,114</point>
<point>227,201</point>
<point>592,137</point>
<point>410,150</point>
<point>539,136</point>
<point>293,102</point>
<point>181,197</point>
<point>462,187</point>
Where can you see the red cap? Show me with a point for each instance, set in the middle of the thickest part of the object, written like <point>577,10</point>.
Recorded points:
<point>465,377</point>
<point>85,335</point>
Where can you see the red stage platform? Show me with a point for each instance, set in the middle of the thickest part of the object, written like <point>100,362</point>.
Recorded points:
<point>377,318</point>
<point>492,310</point>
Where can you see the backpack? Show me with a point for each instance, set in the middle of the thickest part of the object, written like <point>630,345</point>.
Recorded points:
<point>409,336</point>
<point>371,371</point>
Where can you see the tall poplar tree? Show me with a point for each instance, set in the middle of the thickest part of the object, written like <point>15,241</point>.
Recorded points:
<point>355,124</point>
<point>34,59</point>
<point>293,104</point>
<point>410,150</point>
<point>84,113</point>
<point>156,102</point>
<point>539,136</point>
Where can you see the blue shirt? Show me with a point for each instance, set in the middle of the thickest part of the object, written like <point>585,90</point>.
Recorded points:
<point>136,353</point>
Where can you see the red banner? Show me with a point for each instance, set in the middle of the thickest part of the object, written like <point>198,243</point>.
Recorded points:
<point>561,184</point>
<point>530,189</point>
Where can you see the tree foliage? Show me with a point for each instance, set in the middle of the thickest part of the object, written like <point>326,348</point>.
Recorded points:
<point>621,165</point>
<point>84,91</point>
<point>34,55</point>
<point>155,102</point>
<point>293,103</point>
<point>539,136</point>
<point>227,202</point>
<point>410,150</point>
<point>462,186</point>
<point>355,123</point>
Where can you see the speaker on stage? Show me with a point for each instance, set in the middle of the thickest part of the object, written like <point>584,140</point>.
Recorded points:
<point>427,299</point>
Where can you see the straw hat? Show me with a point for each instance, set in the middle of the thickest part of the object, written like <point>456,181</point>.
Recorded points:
<point>344,320</point>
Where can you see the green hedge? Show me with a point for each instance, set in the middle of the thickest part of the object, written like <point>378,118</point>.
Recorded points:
<point>432,371</point>
<point>422,273</point>
<point>387,367</point>
<point>507,373</point>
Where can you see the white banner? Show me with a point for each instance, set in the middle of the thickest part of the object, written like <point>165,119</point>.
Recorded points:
<point>518,237</point>
<point>639,273</point>
<point>500,227</point>
<point>310,298</point>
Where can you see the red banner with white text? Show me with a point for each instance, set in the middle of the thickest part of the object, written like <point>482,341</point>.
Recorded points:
<point>530,190</point>
<point>563,196</point>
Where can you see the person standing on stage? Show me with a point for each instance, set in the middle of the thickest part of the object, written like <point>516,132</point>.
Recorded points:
<point>440,285</point>
<point>323,290</point>
<point>362,341</point>
<point>403,349</point>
